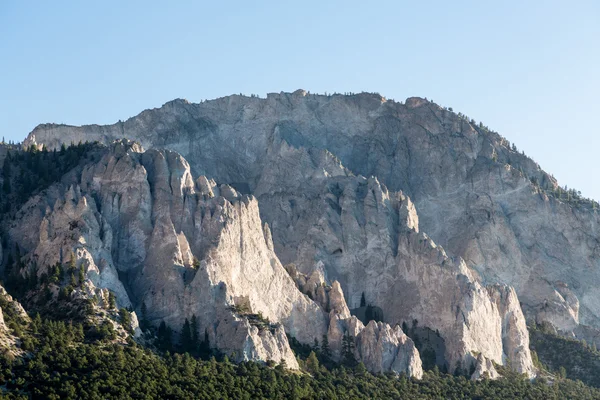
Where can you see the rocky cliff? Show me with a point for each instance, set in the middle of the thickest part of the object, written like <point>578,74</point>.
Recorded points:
<point>476,195</point>
<point>348,186</point>
<point>140,226</point>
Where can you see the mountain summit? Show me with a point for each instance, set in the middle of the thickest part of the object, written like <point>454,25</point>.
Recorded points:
<point>402,234</point>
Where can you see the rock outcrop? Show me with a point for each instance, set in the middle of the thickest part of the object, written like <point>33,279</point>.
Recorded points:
<point>380,347</point>
<point>383,348</point>
<point>9,343</point>
<point>302,158</point>
<point>476,195</point>
<point>484,369</point>
<point>515,337</point>
<point>368,239</point>
<point>143,229</point>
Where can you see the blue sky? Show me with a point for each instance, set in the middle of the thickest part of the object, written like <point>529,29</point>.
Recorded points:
<point>527,69</point>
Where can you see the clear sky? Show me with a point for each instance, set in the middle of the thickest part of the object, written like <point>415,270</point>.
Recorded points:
<point>528,69</point>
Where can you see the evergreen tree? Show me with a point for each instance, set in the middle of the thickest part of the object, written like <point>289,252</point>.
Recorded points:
<point>72,262</point>
<point>164,337</point>
<point>459,371</point>
<point>186,341</point>
<point>363,301</point>
<point>6,174</point>
<point>204,350</point>
<point>312,363</point>
<point>195,335</point>
<point>125,319</point>
<point>348,358</point>
<point>81,275</point>
<point>325,350</point>
<point>112,301</point>
<point>369,313</point>
<point>144,324</point>
<point>360,369</point>
<point>405,327</point>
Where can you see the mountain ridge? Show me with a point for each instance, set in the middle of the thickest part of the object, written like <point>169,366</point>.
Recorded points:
<point>384,135</point>
<point>182,101</point>
<point>335,178</point>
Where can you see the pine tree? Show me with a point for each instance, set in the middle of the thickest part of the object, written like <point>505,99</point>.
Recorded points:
<point>6,174</point>
<point>360,369</point>
<point>186,337</point>
<point>363,301</point>
<point>325,350</point>
<point>282,365</point>
<point>125,319</point>
<point>195,334</point>
<point>204,351</point>
<point>348,358</point>
<point>164,337</point>
<point>459,371</point>
<point>36,323</point>
<point>81,275</point>
<point>112,301</point>
<point>72,262</point>
<point>312,363</point>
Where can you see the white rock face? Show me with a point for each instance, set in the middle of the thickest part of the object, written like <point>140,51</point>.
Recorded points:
<point>465,181</point>
<point>287,150</point>
<point>138,220</point>
<point>140,215</point>
<point>368,239</point>
<point>484,369</point>
<point>8,341</point>
<point>380,347</point>
<point>16,307</point>
<point>337,302</point>
<point>244,342</point>
<point>515,337</point>
<point>383,348</point>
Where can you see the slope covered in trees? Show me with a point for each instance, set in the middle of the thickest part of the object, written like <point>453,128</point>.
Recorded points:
<point>25,173</point>
<point>65,362</point>
<point>566,357</point>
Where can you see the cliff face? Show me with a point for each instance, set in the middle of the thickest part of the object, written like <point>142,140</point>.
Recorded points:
<point>8,340</point>
<point>474,193</point>
<point>303,159</point>
<point>142,228</point>
<point>358,233</point>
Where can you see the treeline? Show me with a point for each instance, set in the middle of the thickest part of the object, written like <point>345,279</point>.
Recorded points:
<point>564,194</point>
<point>67,360</point>
<point>65,364</point>
<point>25,172</point>
<point>568,358</point>
<point>37,291</point>
<point>189,342</point>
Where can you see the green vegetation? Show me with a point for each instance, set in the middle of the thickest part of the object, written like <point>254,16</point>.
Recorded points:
<point>69,360</point>
<point>566,357</point>
<point>25,173</point>
<point>69,365</point>
<point>257,320</point>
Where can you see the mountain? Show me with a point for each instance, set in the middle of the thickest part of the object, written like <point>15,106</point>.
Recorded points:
<point>403,235</point>
<point>475,194</point>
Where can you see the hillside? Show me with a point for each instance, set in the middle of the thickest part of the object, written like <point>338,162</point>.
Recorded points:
<point>390,238</point>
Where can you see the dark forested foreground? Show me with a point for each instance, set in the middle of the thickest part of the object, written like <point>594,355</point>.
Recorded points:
<point>65,363</point>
